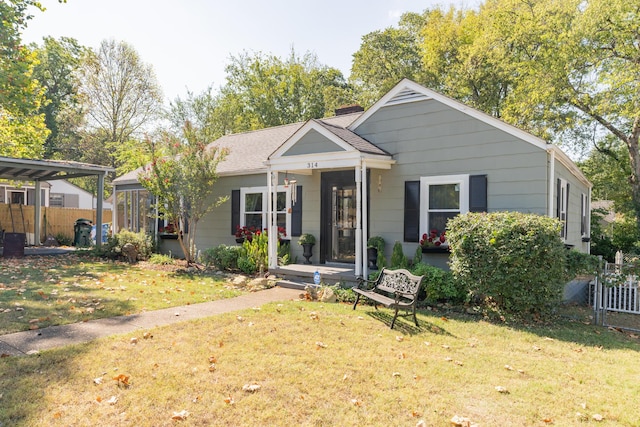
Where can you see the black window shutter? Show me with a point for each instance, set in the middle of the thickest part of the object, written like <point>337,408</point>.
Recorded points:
<point>583,226</point>
<point>478,193</point>
<point>566,213</point>
<point>412,211</point>
<point>558,195</point>
<point>235,210</point>
<point>296,214</point>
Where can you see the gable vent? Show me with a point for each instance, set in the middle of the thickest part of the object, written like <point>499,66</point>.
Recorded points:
<point>407,95</point>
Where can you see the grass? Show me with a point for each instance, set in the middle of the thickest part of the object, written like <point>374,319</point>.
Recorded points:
<point>37,292</point>
<point>325,364</point>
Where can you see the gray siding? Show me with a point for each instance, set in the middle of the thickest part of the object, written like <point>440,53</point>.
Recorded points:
<point>312,142</point>
<point>430,139</point>
<point>574,208</point>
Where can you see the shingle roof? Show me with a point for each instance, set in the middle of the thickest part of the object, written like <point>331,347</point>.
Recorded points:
<point>249,150</point>
<point>351,138</point>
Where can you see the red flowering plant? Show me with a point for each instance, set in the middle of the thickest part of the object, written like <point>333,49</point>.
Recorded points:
<point>245,232</point>
<point>434,239</point>
<point>169,229</point>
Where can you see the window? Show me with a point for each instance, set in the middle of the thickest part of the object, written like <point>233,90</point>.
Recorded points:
<point>562,204</point>
<point>56,199</point>
<point>442,198</point>
<point>254,205</point>
<point>584,210</point>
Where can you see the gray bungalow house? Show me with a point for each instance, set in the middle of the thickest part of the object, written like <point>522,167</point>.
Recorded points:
<point>398,170</point>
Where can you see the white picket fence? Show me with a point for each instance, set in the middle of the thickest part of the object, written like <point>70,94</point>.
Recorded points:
<point>618,291</point>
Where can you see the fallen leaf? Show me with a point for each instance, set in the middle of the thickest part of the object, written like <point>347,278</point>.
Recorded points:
<point>229,400</point>
<point>415,414</point>
<point>421,423</point>
<point>320,344</point>
<point>395,374</point>
<point>133,340</point>
<point>251,388</point>
<point>547,420</point>
<point>445,346</point>
<point>212,367</point>
<point>597,417</point>
<point>122,380</point>
<point>508,368</point>
<point>399,338</point>
<point>97,381</point>
<point>314,316</point>
<point>98,399</point>
<point>213,359</point>
<point>180,416</point>
<point>501,389</point>
<point>356,402</point>
<point>57,415</point>
<point>113,400</point>
<point>147,335</point>
<point>344,377</point>
<point>458,421</point>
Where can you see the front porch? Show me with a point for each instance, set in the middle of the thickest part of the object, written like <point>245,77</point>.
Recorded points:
<point>300,275</point>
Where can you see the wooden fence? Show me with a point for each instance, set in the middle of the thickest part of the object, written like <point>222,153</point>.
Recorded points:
<point>53,221</point>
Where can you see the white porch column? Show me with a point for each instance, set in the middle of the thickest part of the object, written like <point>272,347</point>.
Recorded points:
<point>114,212</point>
<point>272,217</point>
<point>359,257</point>
<point>365,220</point>
<point>36,220</point>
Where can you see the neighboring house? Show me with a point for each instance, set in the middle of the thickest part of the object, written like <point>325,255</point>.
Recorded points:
<point>55,193</point>
<point>402,168</point>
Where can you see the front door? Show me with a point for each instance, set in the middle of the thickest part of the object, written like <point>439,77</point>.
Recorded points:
<point>338,216</point>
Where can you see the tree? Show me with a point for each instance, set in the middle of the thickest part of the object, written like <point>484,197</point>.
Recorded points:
<point>385,57</point>
<point>263,91</point>
<point>22,127</point>
<point>57,70</point>
<point>121,96</point>
<point>183,182</point>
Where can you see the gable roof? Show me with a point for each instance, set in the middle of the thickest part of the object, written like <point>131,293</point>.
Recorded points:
<point>249,150</point>
<point>409,91</point>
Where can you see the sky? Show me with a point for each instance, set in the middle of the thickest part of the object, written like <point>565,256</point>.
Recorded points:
<point>189,42</point>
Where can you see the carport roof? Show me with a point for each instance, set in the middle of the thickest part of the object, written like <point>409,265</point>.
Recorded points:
<point>47,170</point>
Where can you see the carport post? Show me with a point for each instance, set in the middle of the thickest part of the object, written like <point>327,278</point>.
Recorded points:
<point>36,220</point>
<point>99,210</point>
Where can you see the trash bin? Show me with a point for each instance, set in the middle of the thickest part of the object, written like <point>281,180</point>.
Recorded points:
<point>82,233</point>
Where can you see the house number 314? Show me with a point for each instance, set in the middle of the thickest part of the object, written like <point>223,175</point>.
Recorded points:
<point>312,165</point>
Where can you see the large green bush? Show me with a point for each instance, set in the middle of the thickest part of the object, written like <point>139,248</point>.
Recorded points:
<point>222,257</point>
<point>514,262</point>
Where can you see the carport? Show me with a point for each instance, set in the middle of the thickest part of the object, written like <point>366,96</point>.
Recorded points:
<point>49,170</point>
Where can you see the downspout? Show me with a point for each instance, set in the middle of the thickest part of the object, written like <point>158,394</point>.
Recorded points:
<point>552,173</point>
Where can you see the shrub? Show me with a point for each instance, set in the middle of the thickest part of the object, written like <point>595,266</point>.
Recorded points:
<point>246,264</point>
<point>160,259</point>
<point>257,252</point>
<point>439,285</point>
<point>398,259</point>
<point>222,257</point>
<point>344,294</point>
<point>63,239</point>
<point>112,249</point>
<point>515,262</point>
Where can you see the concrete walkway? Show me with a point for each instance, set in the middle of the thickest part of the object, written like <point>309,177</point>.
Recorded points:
<point>29,342</point>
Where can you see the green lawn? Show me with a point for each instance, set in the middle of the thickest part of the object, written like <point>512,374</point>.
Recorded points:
<point>36,292</point>
<point>324,365</point>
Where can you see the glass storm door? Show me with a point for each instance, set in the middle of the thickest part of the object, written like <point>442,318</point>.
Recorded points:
<point>343,224</point>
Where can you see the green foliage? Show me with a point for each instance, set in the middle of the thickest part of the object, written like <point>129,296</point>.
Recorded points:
<point>64,240</point>
<point>398,258</point>
<point>307,239</point>
<point>222,257</point>
<point>417,256</point>
<point>601,241</point>
<point>113,248</point>
<point>247,265</point>
<point>578,263</point>
<point>183,183</point>
<point>376,242</point>
<point>513,261</point>
<point>345,295</point>
<point>263,91</point>
<point>257,251</point>
<point>439,285</point>
<point>160,259</point>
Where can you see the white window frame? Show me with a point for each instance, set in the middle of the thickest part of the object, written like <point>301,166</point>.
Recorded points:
<point>426,181</point>
<point>563,208</point>
<point>585,225</point>
<point>265,199</point>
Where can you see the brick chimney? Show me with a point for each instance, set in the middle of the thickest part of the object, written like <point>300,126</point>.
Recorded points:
<point>348,109</point>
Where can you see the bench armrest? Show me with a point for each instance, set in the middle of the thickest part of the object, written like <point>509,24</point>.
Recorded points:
<point>364,284</point>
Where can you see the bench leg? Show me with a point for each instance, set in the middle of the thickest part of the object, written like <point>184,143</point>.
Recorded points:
<point>393,322</point>
<point>415,319</point>
<point>357,299</point>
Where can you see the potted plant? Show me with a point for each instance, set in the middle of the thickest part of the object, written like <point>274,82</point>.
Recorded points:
<point>307,241</point>
<point>375,245</point>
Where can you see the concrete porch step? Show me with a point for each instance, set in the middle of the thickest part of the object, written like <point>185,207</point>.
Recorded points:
<point>294,284</point>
